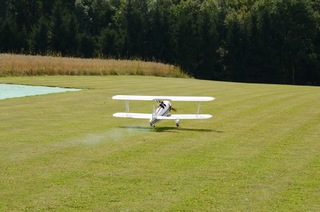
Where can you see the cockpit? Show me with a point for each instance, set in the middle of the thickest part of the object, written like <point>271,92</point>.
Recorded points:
<point>163,105</point>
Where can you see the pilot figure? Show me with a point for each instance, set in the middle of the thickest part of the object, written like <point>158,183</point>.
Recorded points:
<point>162,105</point>
<point>165,105</point>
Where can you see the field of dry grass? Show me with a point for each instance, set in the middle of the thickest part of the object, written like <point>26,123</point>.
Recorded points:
<point>27,65</point>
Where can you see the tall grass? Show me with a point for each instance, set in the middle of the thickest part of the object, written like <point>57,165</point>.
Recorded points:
<point>27,65</point>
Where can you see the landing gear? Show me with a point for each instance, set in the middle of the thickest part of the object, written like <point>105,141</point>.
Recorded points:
<point>152,125</point>
<point>177,121</point>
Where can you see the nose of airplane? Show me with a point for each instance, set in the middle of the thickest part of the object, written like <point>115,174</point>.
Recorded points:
<point>167,103</point>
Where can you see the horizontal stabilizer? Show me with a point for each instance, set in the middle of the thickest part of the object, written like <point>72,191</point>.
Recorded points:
<point>162,98</point>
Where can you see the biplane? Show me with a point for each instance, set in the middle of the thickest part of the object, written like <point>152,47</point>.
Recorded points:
<point>163,109</point>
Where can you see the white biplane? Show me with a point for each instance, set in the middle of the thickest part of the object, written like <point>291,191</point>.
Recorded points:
<point>162,112</point>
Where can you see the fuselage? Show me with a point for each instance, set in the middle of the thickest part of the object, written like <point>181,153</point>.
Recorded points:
<point>163,109</point>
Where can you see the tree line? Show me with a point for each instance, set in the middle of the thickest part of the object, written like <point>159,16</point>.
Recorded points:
<point>267,41</point>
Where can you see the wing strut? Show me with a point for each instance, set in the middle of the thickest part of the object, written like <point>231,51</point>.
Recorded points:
<point>198,111</point>
<point>127,107</point>
<point>153,112</point>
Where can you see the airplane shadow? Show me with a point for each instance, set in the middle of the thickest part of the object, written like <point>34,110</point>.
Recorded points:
<point>167,129</point>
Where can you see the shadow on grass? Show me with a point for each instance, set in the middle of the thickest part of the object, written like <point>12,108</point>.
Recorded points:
<point>167,129</point>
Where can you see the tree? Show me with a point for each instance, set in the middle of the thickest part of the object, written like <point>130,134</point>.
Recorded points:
<point>131,22</point>
<point>63,31</point>
<point>207,41</point>
<point>184,34</point>
<point>71,38</point>
<point>10,37</point>
<point>58,30</point>
<point>86,45</point>
<point>265,61</point>
<point>296,27</point>
<point>94,15</point>
<point>38,41</point>
<point>158,33</point>
<point>108,43</point>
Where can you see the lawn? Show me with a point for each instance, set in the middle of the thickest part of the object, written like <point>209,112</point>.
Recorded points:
<point>65,151</point>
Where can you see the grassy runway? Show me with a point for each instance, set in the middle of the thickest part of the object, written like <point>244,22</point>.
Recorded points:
<point>259,152</point>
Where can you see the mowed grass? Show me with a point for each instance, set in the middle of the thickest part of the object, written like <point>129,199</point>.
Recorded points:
<point>259,152</point>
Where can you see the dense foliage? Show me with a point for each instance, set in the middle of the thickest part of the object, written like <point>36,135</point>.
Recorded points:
<point>271,41</point>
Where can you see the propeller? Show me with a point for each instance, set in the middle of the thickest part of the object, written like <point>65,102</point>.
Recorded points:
<point>173,109</point>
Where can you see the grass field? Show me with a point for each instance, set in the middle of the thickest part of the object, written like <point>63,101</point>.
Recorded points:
<point>259,152</point>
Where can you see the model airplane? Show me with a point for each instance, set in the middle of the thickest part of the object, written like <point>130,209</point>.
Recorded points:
<point>162,112</point>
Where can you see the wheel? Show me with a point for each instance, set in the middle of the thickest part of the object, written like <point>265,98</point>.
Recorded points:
<point>177,121</point>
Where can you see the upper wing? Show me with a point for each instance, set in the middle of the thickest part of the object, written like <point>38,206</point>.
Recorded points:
<point>185,116</point>
<point>170,98</point>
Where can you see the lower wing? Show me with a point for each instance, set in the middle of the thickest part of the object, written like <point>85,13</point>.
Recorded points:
<point>133,115</point>
<point>171,117</point>
<point>185,116</point>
